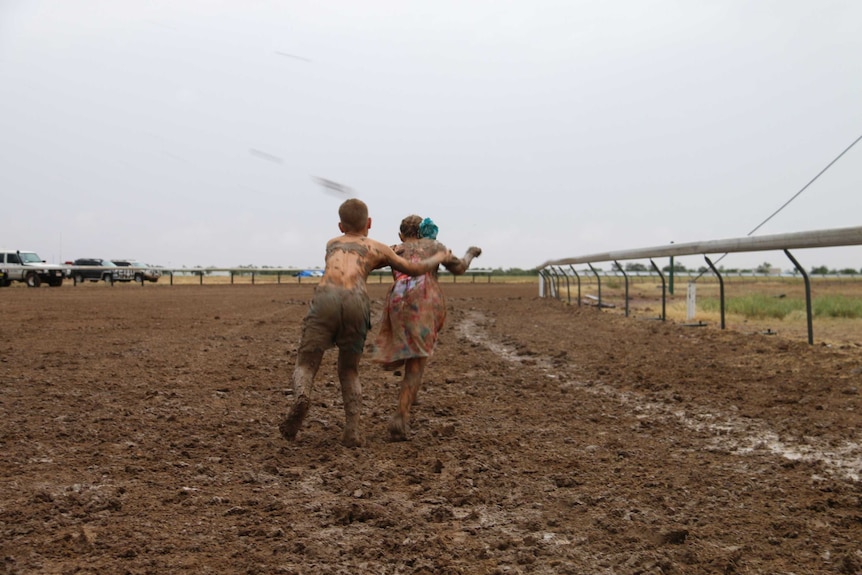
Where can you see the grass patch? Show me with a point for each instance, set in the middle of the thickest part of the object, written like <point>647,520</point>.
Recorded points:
<point>759,306</point>
<point>839,306</point>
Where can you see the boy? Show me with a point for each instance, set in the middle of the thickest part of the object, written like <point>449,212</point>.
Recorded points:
<point>340,315</point>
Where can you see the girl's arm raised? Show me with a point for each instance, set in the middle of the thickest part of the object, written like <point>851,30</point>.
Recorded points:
<point>459,265</point>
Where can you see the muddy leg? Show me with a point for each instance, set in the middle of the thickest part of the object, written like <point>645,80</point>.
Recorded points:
<point>351,392</point>
<point>307,365</point>
<point>417,366</point>
<point>399,425</point>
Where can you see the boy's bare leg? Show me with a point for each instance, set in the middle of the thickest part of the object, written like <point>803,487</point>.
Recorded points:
<point>399,425</point>
<point>307,365</point>
<point>351,392</point>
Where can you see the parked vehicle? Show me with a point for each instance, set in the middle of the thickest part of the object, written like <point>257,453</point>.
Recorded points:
<point>142,272</point>
<point>28,267</point>
<point>98,269</point>
<point>309,274</point>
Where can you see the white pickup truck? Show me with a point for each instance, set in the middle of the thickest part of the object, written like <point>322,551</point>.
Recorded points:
<point>28,267</point>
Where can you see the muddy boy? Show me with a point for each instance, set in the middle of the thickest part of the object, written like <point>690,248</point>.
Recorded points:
<point>340,315</point>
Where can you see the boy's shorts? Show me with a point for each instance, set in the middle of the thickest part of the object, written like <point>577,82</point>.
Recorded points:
<point>337,317</point>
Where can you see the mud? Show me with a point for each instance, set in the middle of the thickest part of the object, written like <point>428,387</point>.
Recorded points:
<point>139,434</point>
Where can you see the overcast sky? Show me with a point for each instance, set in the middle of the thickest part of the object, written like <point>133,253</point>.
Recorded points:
<point>189,132</point>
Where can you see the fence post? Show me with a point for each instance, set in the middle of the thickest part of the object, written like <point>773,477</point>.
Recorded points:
<point>579,283</point>
<point>720,287</point>
<point>807,296</point>
<point>663,298</point>
<point>620,268</point>
<point>599,283</point>
<point>568,288</point>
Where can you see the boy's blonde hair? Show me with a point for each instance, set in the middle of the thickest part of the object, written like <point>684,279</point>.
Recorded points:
<point>354,215</point>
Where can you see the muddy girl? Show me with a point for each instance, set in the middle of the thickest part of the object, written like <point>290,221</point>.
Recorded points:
<point>414,313</point>
<point>340,316</point>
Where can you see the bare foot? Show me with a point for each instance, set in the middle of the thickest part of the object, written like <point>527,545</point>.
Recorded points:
<point>398,428</point>
<point>291,424</point>
<point>352,440</point>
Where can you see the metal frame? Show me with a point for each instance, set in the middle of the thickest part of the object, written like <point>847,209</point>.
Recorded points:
<point>626,276</point>
<point>720,287</point>
<point>810,239</point>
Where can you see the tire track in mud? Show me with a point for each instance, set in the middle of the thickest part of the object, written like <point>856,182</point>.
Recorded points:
<point>727,432</point>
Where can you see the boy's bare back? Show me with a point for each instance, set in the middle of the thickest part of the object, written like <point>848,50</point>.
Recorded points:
<point>352,257</point>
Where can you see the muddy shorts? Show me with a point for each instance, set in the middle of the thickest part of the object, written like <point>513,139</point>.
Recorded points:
<point>337,317</point>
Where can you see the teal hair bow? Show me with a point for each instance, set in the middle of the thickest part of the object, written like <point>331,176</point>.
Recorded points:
<point>428,229</point>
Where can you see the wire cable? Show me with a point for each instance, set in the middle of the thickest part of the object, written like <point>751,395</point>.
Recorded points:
<point>796,195</point>
<point>805,187</point>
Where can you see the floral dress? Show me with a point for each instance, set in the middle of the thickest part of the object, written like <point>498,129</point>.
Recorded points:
<point>414,311</point>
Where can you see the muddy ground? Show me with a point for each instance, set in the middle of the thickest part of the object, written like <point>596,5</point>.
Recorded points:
<point>138,434</point>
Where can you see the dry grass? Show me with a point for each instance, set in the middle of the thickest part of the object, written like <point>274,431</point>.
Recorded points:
<point>645,301</point>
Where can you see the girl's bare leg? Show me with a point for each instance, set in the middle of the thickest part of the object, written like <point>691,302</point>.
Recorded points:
<point>351,392</point>
<point>399,425</point>
<point>307,365</point>
<point>416,383</point>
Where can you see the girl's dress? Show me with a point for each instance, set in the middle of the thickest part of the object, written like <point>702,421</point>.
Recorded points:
<point>414,310</point>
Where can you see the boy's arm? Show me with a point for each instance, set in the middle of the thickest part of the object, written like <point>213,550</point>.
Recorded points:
<point>404,265</point>
<point>459,265</point>
<point>421,267</point>
<point>384,255</point>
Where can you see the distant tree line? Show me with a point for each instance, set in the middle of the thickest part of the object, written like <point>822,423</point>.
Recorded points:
<point>764,268</point>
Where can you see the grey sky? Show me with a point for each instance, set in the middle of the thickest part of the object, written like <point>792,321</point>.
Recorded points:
<point>189,132</point>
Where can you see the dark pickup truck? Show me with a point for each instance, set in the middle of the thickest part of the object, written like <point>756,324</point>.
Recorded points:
<point>98,269</point>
